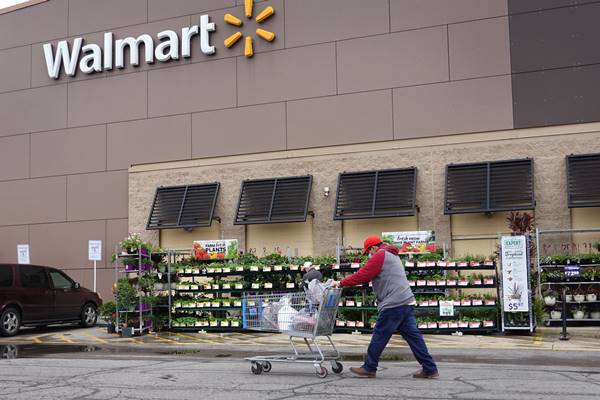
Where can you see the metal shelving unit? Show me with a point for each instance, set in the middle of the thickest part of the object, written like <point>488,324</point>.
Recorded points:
<point>141,311</point>
<point>569,267</point>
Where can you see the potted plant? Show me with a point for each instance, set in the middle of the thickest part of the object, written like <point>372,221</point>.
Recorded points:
<point>591,296</point>
<point>579,296</point>
<point>568,296</point>
<point>134,244</point>
<point>359,300</point>
<point>550,297</point>
<point>127,297</point>
<point>579,312</point>
<point>108,312</point>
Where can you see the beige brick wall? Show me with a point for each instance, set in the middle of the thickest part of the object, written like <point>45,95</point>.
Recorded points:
<point>547,146</point>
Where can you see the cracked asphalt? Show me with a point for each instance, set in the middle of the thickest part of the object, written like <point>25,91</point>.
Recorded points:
<point>70,363</point>
<point>153,377</point>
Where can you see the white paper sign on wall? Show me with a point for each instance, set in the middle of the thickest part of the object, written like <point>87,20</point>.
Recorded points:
<point>95,250</point>
<point>23,253</point>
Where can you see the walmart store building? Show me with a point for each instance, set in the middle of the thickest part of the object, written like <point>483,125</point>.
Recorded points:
<point>442,115</point>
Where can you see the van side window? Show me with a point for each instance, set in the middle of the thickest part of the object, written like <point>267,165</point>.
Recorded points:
<point>60,281</point>
<point>34,277</point>
<point>6,276</point>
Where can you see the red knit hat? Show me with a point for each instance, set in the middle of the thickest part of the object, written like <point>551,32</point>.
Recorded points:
<point>370,242</point>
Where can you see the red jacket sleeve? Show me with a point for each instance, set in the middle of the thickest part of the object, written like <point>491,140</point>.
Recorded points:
<point>366,274</point>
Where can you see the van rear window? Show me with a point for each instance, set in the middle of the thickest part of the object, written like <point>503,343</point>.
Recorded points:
<point>6,276</point>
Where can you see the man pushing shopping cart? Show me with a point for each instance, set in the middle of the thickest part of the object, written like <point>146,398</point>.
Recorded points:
<point>395,302</point>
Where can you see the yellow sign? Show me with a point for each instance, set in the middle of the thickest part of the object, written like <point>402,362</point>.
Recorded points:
<point>262,33</point>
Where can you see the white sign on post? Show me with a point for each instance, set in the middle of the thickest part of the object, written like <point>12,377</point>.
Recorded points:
<point>23,253</point>
<point>95,254</point>
<point>95,250</point>
<point>446,308</point>
<point>514,274</point>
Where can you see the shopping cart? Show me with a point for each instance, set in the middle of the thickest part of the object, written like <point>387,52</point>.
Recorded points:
<point>299,315</point>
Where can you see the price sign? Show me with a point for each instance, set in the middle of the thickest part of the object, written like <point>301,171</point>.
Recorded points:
<point>446,308</point>
<point>572,271</point>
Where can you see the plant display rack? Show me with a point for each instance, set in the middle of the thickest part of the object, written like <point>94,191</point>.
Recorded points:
<point>131,266</point>
<point>140,290</point>
<point>570,282</point>
<point>208,293</point>
<point>432,280</point>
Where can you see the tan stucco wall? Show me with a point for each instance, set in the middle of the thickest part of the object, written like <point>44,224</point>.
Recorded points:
<point>295,239</point>
<point>355,231</point>
<point>547,146</point>
<point>182,239</point>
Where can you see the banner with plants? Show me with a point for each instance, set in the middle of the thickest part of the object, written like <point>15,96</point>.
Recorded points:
<point>514,274</point>
<point>412,242</point>
<point>215,249</point>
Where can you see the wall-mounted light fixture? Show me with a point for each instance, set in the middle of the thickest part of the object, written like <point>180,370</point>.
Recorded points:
<point>326,191</point>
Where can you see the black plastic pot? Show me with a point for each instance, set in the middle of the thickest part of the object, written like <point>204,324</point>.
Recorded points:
<point>127,332</point>
<point>110,328</point>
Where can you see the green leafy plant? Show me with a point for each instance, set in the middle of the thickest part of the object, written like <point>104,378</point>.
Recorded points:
<point>132,243</point>
<point>538,310</point>
<point>248,259</point>
<point>147,282</point>
<point>107,311</point>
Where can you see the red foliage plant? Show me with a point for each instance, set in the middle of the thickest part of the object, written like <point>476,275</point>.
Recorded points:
<point>520,223</point>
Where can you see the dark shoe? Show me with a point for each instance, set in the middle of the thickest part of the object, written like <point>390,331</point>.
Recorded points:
<point>362,373</point>
<point>425,375</point>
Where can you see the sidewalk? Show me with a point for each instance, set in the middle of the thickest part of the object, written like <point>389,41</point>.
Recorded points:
<point>545,339</point>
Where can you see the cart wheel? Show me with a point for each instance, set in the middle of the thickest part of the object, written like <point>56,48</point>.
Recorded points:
<point>256,368</point>
<point>337,367</point>
<point>322,372</point>
<point>266,366</point>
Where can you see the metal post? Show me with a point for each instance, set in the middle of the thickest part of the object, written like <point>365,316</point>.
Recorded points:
<point>169,283</point>
<point>117,322</point>
<point>564,335</point>
<point>94,275</point>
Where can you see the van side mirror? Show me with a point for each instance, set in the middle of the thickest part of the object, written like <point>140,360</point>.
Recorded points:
<point>76,285</point>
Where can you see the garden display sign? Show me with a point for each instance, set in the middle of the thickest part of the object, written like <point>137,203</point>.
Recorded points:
<point>413,242</point>
<point>446,308</point>
<point>514,274</point>
<point>215,249</point>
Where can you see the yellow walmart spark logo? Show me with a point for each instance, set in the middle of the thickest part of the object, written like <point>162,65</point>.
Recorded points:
<point>262,33</point>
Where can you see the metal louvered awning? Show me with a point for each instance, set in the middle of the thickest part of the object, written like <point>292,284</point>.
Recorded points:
<point>189,206</point>
<point>489,187</point>
<point>583,180</point>
<point>376,194</point>
<point>274,200</point>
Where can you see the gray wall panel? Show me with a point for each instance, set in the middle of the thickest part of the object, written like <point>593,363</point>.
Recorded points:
<point>472,105</point>
<point>555,38</point>
<point>411,14</point>
<point>94,15</point>
<point>15,68</point>
<point>38,23</point>
<point>520,6</point>
<point>557,97</point>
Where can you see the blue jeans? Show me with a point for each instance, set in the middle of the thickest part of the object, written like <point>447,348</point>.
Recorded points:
<point>401,319</point>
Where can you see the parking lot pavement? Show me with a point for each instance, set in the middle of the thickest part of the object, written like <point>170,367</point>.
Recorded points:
<point>582,339</point>
<point>114,378</point>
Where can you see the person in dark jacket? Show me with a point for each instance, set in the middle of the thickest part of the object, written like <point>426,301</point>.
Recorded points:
<point>395,306</point>
<point>310,273</point>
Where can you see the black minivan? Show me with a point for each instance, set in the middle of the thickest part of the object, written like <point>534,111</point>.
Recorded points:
<point>33,295</point>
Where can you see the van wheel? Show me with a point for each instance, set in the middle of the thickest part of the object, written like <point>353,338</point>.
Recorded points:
<point>10,322</point>
<point>89,315</point>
